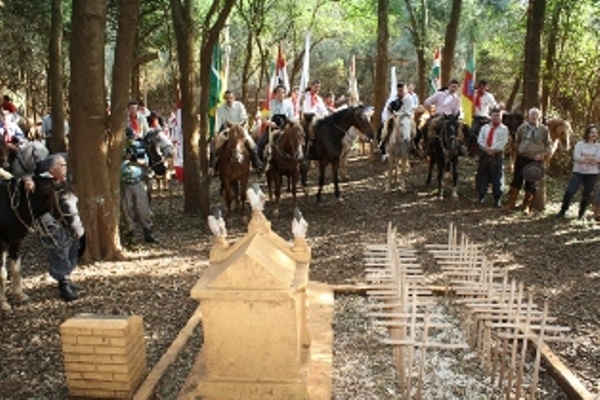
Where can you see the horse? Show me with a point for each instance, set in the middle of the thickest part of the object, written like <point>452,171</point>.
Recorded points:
<point>23,161</point>
<point>234,169</point>
<point>18,211</point>
<point>560,135</point>
<point>444,148</point>
<point>398,149</point>
<point>326,148</point>
<point>286,158</point>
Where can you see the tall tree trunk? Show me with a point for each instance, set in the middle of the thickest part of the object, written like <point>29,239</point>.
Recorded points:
<point>531,74</point>
<point>88,149</point>
<point>195,196</point>
<point>418,36</point>
<point>96,144</point>
<point>450,42</point>
<point>58,141</point>
<point>381,67</point>
<point>551,46</point>
<point>533,54</point>
<point>120,92</point>
<point>246,67</point>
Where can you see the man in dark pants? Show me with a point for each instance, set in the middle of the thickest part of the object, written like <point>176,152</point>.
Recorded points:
<point>63,243</point>
<point>492,139</point>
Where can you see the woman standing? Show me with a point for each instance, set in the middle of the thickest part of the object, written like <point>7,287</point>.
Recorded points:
<point>586,158</point>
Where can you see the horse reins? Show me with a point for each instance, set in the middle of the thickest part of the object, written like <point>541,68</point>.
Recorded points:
<point>14,205</point>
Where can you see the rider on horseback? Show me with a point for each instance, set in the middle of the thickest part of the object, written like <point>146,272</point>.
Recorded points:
<point>313,107</point>
<point>281,111</point>
<point>446,102</point>
<point>233,112</point>
<point>402,104</point>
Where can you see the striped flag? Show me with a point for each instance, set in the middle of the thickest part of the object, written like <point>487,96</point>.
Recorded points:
<point>280,77</point>
<point>468,89</point>
<point>434,75</point>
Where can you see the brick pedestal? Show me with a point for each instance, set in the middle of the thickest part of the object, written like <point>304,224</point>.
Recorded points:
<point>105,356</point>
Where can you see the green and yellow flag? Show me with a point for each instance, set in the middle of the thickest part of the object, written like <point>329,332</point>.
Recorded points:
<point>217,87</point>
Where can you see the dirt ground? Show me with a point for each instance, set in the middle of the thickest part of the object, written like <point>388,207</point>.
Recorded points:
<point>559,260</point>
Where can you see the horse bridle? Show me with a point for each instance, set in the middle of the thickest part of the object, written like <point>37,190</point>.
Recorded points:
<point>283,154</point>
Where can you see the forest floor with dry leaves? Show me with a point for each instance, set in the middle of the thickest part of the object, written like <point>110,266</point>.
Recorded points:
<point>559,260</point>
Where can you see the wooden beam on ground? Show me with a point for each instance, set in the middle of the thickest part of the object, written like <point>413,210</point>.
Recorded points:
<point>146,390</point>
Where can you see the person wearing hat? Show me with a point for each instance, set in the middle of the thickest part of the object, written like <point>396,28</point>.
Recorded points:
<point>586,158</point>
<point>533,145</point>
<point>492,140</point>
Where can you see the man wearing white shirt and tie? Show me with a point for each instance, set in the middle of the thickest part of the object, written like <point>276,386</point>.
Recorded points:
<point>492,140</point>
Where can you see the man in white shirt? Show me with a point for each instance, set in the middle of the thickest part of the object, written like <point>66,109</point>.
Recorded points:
<point>492,139</point>
<point>446,102</point>
<point>233,112</point>
<point>312,106</point>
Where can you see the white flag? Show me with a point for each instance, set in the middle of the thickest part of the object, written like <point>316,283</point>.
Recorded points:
<point>305,65</point>
<point>352,83</point>
<point>393,93</point>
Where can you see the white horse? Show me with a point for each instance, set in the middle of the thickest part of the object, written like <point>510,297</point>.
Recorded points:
<point>26,156</point>
<point>398,149</point>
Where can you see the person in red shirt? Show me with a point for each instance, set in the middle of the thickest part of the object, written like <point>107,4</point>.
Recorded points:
<point>8,105</point>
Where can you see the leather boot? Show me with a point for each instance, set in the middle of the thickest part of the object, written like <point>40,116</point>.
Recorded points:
<point>597,212</point>
<point>527,200</point>
<point>564,207</point>
<point>149,237</point>
<point>512,199</point>
<point>66,291</point>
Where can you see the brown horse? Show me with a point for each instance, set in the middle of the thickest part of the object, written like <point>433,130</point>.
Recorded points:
<point>234,169</point>
<point>560,134</point>
<point>287,155</point>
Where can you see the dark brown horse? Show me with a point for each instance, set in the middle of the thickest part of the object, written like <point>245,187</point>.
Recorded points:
<point>326,148</point>
<point>234,169</point>
<point>287,155</point>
